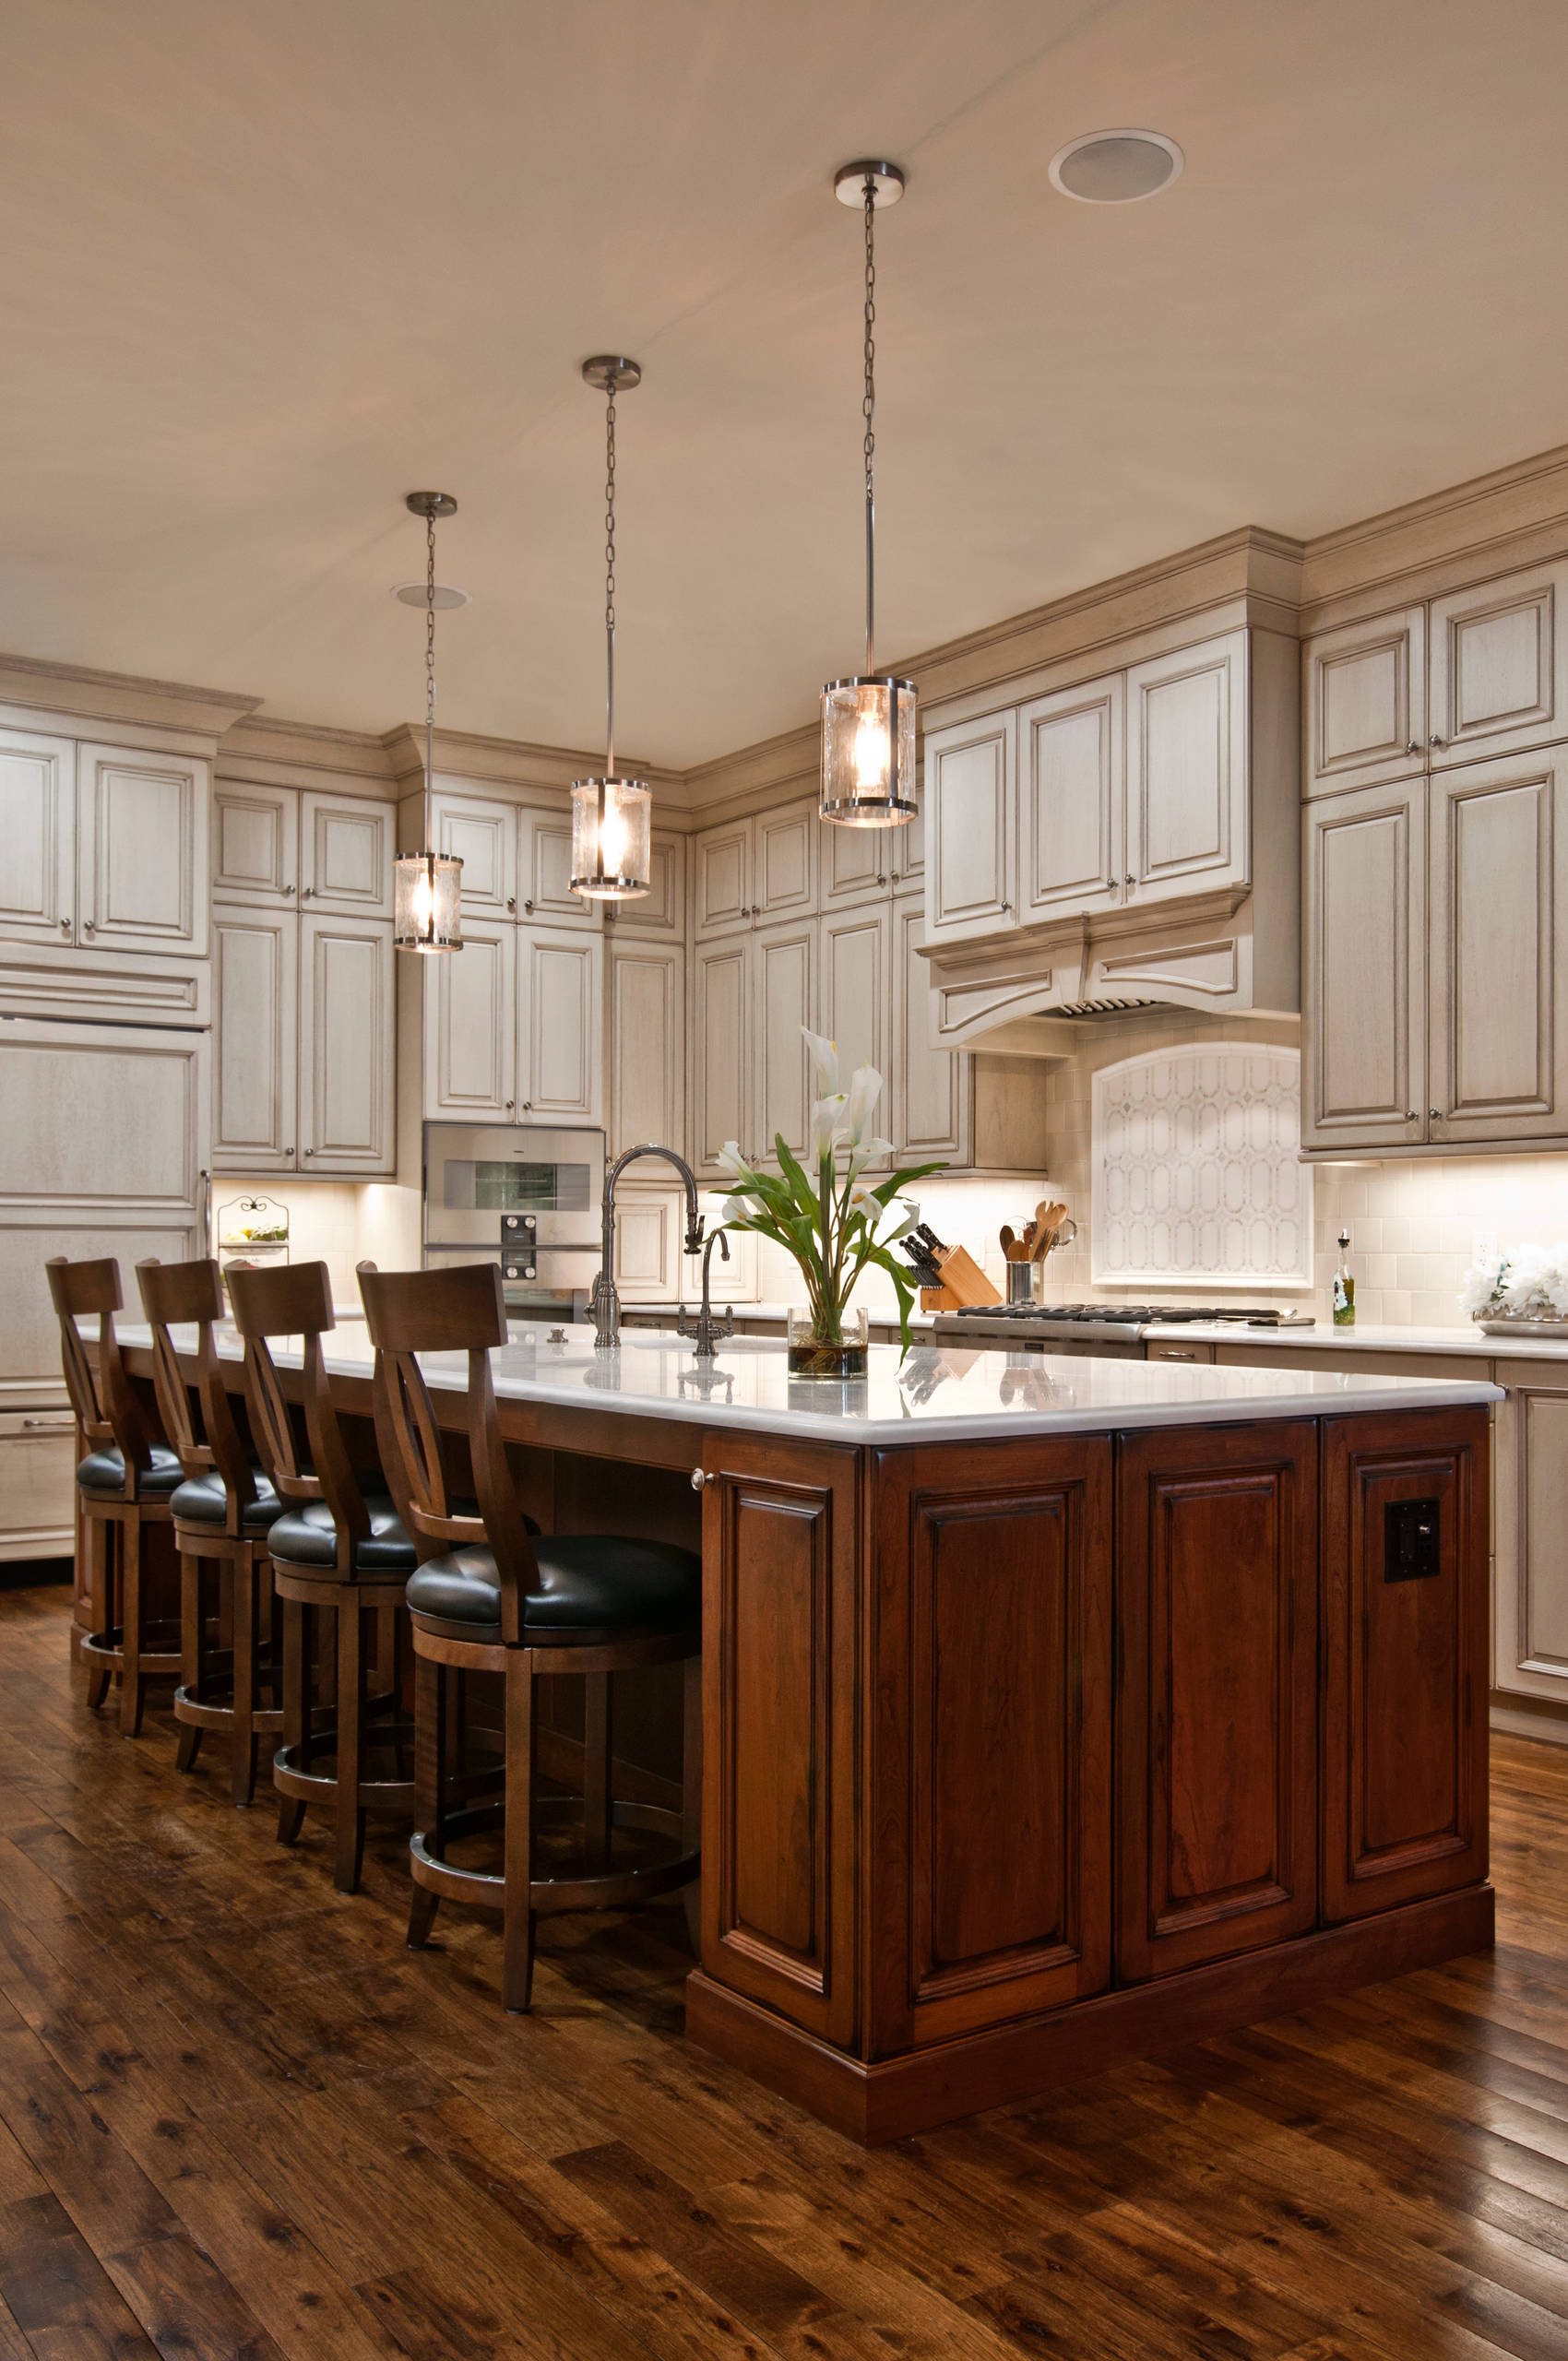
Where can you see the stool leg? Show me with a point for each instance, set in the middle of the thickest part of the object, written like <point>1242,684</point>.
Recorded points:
<point>242,1736</point>
<point>430,1764</point>
<point>100,1603</point>
<point>350,1831</point>
<point>296,1712</point>
<point>595,1767</point>
<point>517,1936</point>
<point>130,1631</point>
<point>191,1652</point>
<point>691,1794</point>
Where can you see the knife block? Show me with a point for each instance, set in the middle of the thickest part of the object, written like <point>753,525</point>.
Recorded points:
<point>964,1283</point>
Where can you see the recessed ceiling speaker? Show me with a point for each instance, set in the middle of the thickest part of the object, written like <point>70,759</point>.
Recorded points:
<point>1116,167</point>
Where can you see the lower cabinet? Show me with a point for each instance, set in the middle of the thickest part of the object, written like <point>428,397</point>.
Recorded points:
<point>1217,1736</point>
<point>1530,1526</point>
<point>1404,1658</point>
<point>305,1078</point>
<point>991,1793</point>
<point>780,1802</point>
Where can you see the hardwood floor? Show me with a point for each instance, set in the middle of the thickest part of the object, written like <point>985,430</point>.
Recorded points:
<point>238,2119</point>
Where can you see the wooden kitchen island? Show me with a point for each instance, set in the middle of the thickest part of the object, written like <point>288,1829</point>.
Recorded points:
<point>1055,1711</point>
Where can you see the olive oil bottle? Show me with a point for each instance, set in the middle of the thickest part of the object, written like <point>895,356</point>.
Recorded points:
<point>1344,1286</point>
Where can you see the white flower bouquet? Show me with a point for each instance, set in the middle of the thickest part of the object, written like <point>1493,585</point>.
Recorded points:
<point>835,1224</point>
<point>1525,1283</point>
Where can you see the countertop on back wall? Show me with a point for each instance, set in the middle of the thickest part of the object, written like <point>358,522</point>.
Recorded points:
<point>1462,1337</point>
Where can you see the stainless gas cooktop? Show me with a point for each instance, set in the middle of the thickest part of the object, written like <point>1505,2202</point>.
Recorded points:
<point>1092,1325</point>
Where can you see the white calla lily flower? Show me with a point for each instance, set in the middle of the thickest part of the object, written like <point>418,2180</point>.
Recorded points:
<point>865,1089</point>
<point>827,1128</point>
<point>866,1152</point>
<point>825,1062</point>
<point>731,1159</point>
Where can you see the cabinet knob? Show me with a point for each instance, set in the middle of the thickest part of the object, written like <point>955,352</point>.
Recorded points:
<point>1436,741</point>
<point>528,1106</point>
<point>65,926</point>
<point>310,1151</point>
<point>1110,884</point>
<point>1411,746</point>
<point>1006,906</point>
<point>1434,1114</point>
<point>305,893</point>
<point>289,1152</point>
<point>88,927</point>
<point>528,906</point>
<point>1410,1114</point>
<point>511,901</point>
<point>510,1104</point>
<point>289,889</point>
<point>1129,879</point>
<point>699,1480</point>
<point>881,879</point>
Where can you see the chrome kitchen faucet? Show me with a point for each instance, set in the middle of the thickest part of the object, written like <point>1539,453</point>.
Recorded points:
<point>605,1304</point>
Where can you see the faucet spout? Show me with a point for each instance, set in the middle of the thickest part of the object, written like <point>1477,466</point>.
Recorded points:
<point>605,1304</point>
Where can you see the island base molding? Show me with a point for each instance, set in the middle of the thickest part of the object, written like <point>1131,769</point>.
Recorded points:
<point>893,2098</point>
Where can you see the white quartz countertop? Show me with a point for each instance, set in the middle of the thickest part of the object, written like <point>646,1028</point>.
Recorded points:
<point>940,1393</point>
<point>1467,1338</point>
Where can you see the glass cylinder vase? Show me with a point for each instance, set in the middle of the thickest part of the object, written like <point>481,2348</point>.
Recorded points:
<point>818,1348</point>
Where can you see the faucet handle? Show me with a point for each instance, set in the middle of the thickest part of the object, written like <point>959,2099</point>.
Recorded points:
<point>694,1229</point>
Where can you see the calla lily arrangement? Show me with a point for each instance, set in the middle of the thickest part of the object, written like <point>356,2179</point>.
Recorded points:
<point>836,1224</point>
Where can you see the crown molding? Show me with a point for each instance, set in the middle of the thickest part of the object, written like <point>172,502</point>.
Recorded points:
<point>79,692</point>
<point>501,766</point>
<point>295,754</point>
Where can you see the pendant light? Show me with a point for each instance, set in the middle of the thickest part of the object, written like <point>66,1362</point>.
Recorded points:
<point>426,911</point>
<point>611,817</point>
<point>868,723</point>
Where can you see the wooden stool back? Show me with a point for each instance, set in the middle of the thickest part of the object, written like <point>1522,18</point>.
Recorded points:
<point>296,1300</point>
<point>444,1311</point>
<point>183,1294</point>
<point>107,1412</point>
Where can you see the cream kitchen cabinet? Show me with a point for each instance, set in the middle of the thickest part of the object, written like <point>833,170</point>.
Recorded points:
<point>279,847</point>
<point>971,827</point>
<point>753,871</point>
<point>106,846</point>
<point>1364,703</point>
<point>645,992</point>
<point>1433,960</point>
<point>857,995</point>
<point>1072,750</point>
<point>304,1058</point>
<point>662,910</point>
<point>870,864</point>
<point>927,1109</point>
<point>470,1011</point>
<point>38,827</point>
<point>651,1228</point>
<point>1530,1532</point>
<point>749,1077</point>
<point>1364,1062</point>
<point>481,833</point>
<point>560,1004</point>
<point>544,872</point>
<point>1188,825</point>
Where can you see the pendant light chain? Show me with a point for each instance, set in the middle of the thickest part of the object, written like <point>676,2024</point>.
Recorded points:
<point>610,583</point>
<point>429,666</point>
<point>867,411</point>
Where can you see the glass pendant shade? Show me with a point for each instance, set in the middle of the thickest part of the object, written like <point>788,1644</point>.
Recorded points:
<point>612,839</point>
<point>426,911</point>
<point>868,753</point>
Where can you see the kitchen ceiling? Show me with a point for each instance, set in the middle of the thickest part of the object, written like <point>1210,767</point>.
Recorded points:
<point>266,267</point>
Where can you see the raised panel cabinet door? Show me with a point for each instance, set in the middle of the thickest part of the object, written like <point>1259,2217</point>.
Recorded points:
<point>1405,1657</point>
<point>990,1741</point>
<point>971,827</point>
<point>38,828</point>
<point>348,1074</point>
<point>779,1578</point>
<point>471,1010</point>
<point>784,998</point>
<point>482,835</point>
<point>720,1051</point>
<point>142,831</point>
<point>1364,997</point>
<point>648,1039</point>
<point>856,865</point>
<point>1073,762</point>
<point>346,854</point>
<point>1364,703</point>
<point>1189,802</point>
<point>929,1103</point>
<point>1499,667</point>
<point>255,1034</point>
<point>255,836</point>
<point>857,996</point>
<point>544,872</point>
<point>662,910</point>
<point>649,1227</point>
<point>785,846</point>
<point>908,842</point>
<point>119,1125</point>
<point>1216,1696</point>
<point>1499,891</point>
<point>559,1019</point>
<point>1530,1569</point>
<point>723,878</point>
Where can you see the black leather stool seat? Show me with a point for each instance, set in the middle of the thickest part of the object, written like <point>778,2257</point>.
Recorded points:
<point>201,1501</point>
<point>105,1471</point>
<point>587,1581</point>
<point>305,1535</point>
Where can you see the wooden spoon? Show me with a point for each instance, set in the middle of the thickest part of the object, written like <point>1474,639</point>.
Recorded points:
<point>1007,1239</point>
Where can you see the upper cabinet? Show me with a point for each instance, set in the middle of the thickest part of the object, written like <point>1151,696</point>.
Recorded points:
<point>1072,745</point>
<point>1365,703</point>
<point>1188,789</point>
<point>971,827</point>
<point>662,910</point>
<point>106,846</point>
<point>37,826</point>
<point>482,835</point>
<point>545,871</point>
<point>1363,1067</point>
<point>276,848</point>
<point>751,873</point>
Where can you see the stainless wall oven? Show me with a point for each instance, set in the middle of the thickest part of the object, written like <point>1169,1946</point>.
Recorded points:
<point>539,1189</point>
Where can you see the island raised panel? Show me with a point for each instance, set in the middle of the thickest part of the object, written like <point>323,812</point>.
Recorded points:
<point>1404,1658</point>
<point>992,1734</point>
<point>780,1802</point>
<point>1216,1729</point>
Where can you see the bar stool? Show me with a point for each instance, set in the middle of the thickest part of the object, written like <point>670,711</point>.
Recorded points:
<point>338,1554</point>
<point>222,1514</point>
<point>125,1481</point>
<point>487,1597</point>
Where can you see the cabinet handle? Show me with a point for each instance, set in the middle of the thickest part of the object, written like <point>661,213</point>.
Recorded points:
<point>1436,741</point>
<point>65,926</point>
<point>1411,746</point>
<point>49,1426</point>
<point>511,901</point>
<point>699,1480</point>
<point>1171,1354</point>
<point>87,927</point>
